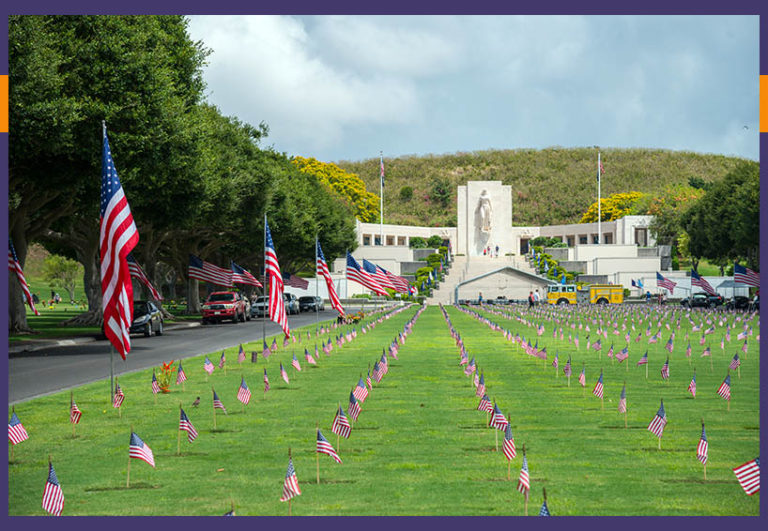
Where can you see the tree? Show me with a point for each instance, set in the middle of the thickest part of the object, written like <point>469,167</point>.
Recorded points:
<point>667,210</point>
<point>613,207</point>
<point>417,242</point>
<point>406,193</point>
<point>62,272</point>
<point>440,191</point>
<point>434,241</point>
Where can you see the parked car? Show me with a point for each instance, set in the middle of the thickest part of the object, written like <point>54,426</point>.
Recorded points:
<point>738,302</point>
<point>291,304</point>
<point>247,303</point>
<point>147,318</point>
<point>223,305</point>
<point>260,306</point>
<point>310,304</point>
<point>697,300</point>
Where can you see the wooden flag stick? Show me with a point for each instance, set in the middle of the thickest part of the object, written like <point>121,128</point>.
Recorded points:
<point>128,474</point>
<point>496,431</point>
<point>509,469</point>
<point>646,370</point>
<point>178,439</point>
<point>659,443</point>
<point>705,471</point>
<point>738,371</point>
<point>526,502</point>
<point>71,401</point>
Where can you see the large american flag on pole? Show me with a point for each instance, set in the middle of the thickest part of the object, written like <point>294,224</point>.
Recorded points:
<point>138,273</point>
<point>242,276</point>
<point>697,280</point>
<point>745,275</point>
<point>117,238</point>
<point>15,266</point>
<point>359,275</point>
<point>378,274</point>
<point>401,285</point>
<point>322,270</point>
<point>665,283</point>
<point>276,301</point>
<point>294,281</point>
<point>208,272</point>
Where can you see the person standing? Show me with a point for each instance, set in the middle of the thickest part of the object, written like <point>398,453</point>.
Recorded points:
<point>536,297</point>
<point>530,299</point>
<point>480,298</point>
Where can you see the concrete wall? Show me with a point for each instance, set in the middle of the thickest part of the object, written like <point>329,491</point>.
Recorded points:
<point>570,265</point>
<point>608,266</point>
<point>557,253</point>
<point>400,233</point>
<point>590,252</point>
<point>471,238</point>
<point>505,283</point>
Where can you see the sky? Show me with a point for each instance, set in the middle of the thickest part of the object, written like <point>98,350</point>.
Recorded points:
<point>348,87</point>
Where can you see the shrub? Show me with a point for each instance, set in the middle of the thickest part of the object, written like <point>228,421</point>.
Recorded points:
<point>406,193</point>
<point>418,242</point>
<point>434,241</point>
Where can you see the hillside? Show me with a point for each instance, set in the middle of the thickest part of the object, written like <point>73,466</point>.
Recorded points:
<point>549,186</point>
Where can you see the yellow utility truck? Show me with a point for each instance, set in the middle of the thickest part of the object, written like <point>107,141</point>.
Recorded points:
<point>593,294</point>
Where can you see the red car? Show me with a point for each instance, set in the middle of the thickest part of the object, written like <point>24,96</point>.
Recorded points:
<point>223,305</point>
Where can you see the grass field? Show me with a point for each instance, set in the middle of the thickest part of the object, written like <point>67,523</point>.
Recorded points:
<point>420,446</point>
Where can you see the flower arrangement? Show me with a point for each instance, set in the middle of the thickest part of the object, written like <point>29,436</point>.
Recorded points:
<point>166,376</point>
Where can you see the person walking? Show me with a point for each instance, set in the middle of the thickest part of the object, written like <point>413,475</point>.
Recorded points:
<point>530,299</point>
<point>536,297</point>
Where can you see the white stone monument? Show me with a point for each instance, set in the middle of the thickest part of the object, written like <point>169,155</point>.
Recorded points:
<point>484,218</point>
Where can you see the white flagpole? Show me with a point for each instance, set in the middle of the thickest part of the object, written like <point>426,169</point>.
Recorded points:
<point>599,212</point>
<point>381,198</point>
<point>317,290</point>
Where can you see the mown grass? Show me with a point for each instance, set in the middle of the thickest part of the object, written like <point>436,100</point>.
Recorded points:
<point>420,446</point>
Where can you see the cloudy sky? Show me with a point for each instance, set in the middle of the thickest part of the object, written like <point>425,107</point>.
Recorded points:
<point>347,87</point>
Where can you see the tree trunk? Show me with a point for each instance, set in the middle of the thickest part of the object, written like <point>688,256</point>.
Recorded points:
<point>193,296</point>
<point>88,256</point>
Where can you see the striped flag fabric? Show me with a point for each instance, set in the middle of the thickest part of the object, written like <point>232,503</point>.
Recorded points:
<point>524,481</point>
<point>181,376</point>
<point>362,277</point>
<point>697,280</point>
<point>243,393</point>
<point>583,376</point>
<point>707,352</point>
<point>725,388</point>
<point>295,362</point>
<point>208,272</point>
<point>265,351</point>
<point>360,391</point>
<point>186,425</point>
<point>748,475</point>
<point>16,431</point>
<point>692,385</point>
<point>377,372</point>
<point>378,274</point>
<point>138,273</point>
<point>745,275</point>
<point>555,361</point>
<point>222,360</point>
<point>241,354</point>
<point>322,270</point>
<point>567,368</point>
<point>309,358</point>
<point>598,390</point>
<point>509,444</point>
<point>688,350</point>
<point>665,369</point>
<point>242,276</point>
<point>669,346</point>
<point>744,347</point>
<point>15,266</point>
<point>138,449</point>
<point>485,404</point>
<point>53,497</point>
<point>354,407</point>
<point>276,301</point>
<point>665,283</point>
<point>480,391</point>
<point>117,238</point>
<point>284,374</point>
<point>497,420</point>
<point>341,424</point>
<point>368,382</point>
<point>208,366</point>
<point>266,381</point>
<point>118,397</point>
<point>659,421</point>
<point>324,447</point>
<point>74,412</point>
<point>623,400</point>
<point>401,285</point>
<point>701,449</point>
<point>155,385</point>
<point>217,402</point>
<point>291,484</point>
<point>735,362</point>
<point>294,281</point>
<point>622,354</point>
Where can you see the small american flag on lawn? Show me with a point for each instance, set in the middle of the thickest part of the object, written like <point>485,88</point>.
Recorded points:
<point>117,400</point>
<point>368,381</point>
<point>155,385</point>
<point>266,381</point>
<point>744,347</point>
<point>480,391</point>
<point>497,420</point>
<point>186,425</point>
<point>241,354</point>
<point>354,406</point>
<point>659,421</point>
<point>665,369</point>
<point>669,346</point>
<point>583,376</point>
<point>360,391</point>
<point>74,412</point>
<point>222,360</point>
<point>291,484</point>
<point>181,376</point>
<point>265,350</point>
<point>748,475</point>
<point>509,444</point>
<point>217,402</point>
<point>340,424</point>
<point>283,374</point>
<point>16,431</point>
<point>623,400</point>
<point>309,358</point>
<point>701,449</point>
<point>707,352</point>
<point>295,362</point>
<point>623,354</point>
<point>485,404</point>
<point>324,447</point>
<point>598,390</point>
<point>544,509</point>
<point>243,393</point>
<point>53,497</point>
<point>524,481</point>
<point>567,368</point>
<point>138,449</point>
<point>208,366</point>
<point>692,385</point>
<point>688,350</point>
<point>735,362</point>
<point>725,388</point>
<point>555,362</point>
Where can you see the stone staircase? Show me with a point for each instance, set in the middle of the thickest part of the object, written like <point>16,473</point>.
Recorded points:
<point>466,267</point>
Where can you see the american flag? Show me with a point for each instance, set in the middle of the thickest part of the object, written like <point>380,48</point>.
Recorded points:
<point>359,275</point>
<point>401,285</point>
<point>242,276</point>
<point>643,360</point>
<point>340,424</point>
<point>707,352</point>
<point>583,376</point>
<point>138,273</point>
<point>497,420</point>
<point>544,511</point>
<point>725,388</point>
<point>368,381</point>
<point>378,274</point>
<point>669,346</point>
<point>597,345</point>
<point>294,281</point>
<point>509,444</point>
<point>322,270</point>
<point>283,374</point>
<point>217,402</point>
<point>208,272</point>
<point>659,421</point>
<point>155,385</point>
<point>610,351</point>
<point>567,368</point>
<point>688,350</point>
<point>485,404</point>
<point>701,449</point>
<point>480,391</point>
<point>222,360</point>
<point>16,431</point>
<point>295,362</point>
<point>744,347</point>
<point>138,449</point>
<point>241,354</point>
<point>735,362</point>
<point>524,481</point>
<point>360,391</point>
<point>665,369</point>
<point>243,393</point>
<point>15,266</point>
<point>208,366</point>
<point>381,169</point>
<point>701,282</point>
<point>555,362</point>
<point>186,425</point>
<point>692,385</point>
<point>276,302</point>
<point>623,354</point>
<point>377,372</point>
<point>53,497</point>
<point>665,283</point>
<point>74,412</point>
<point>748,475</point>
<point>324,447</point>
<point>181,376</point>
<point>598,390</point>
<point>265,350</point>
<point>745,275</point>
<point>117,237</point>
<point>309,358</point>
<point>117,400</point>
<point>354,407</point>
<point>291,484</point>
<point>266,381</point>
<point>623,400</point>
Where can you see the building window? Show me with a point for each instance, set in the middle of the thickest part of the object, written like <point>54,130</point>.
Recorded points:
<point>401,240</point>
<point>594,239</point>
<point>366,239</point>
<point>641,237</point>
<point>571,240</point>
<point>390,240</point>
<point>377,240</point>
<point>608,238</point>
<point>582,239</point>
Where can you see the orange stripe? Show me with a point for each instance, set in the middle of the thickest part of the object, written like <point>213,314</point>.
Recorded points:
<point>763,104</point>
<point>4,104</point>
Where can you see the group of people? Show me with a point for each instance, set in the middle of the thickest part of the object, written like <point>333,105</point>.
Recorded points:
<point>534,299</point>
<point>493,253</point>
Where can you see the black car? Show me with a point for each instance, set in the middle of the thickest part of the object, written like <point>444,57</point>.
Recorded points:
<point>310,304</point>
<point>738,302</point>
<point>697,300</point>
<point>147,318</point>
<point>716,300</point>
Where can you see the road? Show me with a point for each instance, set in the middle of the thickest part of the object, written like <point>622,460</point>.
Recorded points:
<point>55,369</point>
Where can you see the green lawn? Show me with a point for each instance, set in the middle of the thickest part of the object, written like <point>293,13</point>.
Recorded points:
<point>420,446</point>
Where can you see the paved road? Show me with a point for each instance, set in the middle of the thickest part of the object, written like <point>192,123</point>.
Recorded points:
<point>54,369</point>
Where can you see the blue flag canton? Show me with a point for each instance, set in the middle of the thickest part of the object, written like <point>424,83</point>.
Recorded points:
<point>703,433</point>
<point>242,383</point>
<point>320,437</point>
<point>661,413</point>
<point>183,416</point>
<point>14,420</point>
<point>110,183</point>
<point>291,471</point>
<point>270,243</point>
<point>136,441</point>
<point>369,267</point>
<point>351,262</point>
<point>320,254</point>
<point>544,510</point>
<point>52,479</point>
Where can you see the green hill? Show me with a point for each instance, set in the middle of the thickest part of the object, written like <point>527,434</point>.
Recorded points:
<point>549,186</point>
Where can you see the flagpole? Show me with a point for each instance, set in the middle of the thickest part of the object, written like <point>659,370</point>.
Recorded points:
<point>214,412</point>
<point>317,289</point>
<point>317,454</point>
<point>266,289</point>
<point>381,198</point>
<point>178,438</point>
<point>599,211</point>
<point>71,401</point>
<point>111,371</point>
